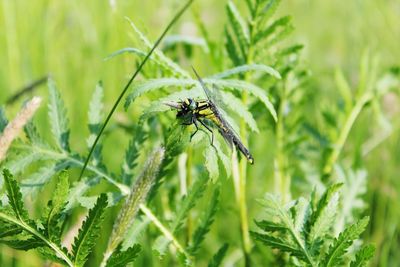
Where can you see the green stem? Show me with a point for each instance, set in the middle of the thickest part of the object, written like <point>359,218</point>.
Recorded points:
<point>339,144</point>
<point>34,232</point>
<point>168,234</point>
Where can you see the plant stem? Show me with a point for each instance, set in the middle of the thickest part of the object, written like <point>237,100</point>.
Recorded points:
<point>163,229</point>
<point>344,133</point>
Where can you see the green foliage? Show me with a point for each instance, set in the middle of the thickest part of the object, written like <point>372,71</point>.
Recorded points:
<point>304,229</point>
<point>89,232</point>
<point>305,132</point>
<point>58,117</point>
<point>3,120</point>
<point>122,258</point>
<point>218,257</point>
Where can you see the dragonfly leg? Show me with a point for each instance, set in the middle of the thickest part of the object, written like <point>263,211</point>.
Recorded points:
<point>194,121</point>
<point>211,131</point>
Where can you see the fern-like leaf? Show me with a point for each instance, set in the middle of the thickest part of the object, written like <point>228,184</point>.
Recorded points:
<point>89,232</point>
<point>205,223</point>
<point>122,258</point>
<point>58,117</point>
<point>55,208</point>
<point>219,256</point>
<point>363,256</point>
<point>343,242</point>
<point>237,25</point>
<point>14,196</point>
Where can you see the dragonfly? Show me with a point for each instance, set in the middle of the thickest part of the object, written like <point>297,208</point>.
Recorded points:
<point>197,112</point>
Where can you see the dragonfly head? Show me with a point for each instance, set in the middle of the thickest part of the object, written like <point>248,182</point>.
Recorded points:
<point>189,104</point>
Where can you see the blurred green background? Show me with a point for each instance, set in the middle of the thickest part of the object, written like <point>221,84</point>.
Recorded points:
<point>70,39</point>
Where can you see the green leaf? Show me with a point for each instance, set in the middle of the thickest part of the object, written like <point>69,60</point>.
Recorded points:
<point>55,207</point>
<point>3,120</point>
<point>324,216</point>
<point>278,26</point>
<point>122,258</point>
<point>211,163</point>
<point>245,86</point>
<point>33,135</point>
<point>344,89</point>
<point>89,232</point>
<point>239,108</point>
<point>27,244</point>
<point>278,243</point>
<point>337,250</point>
<point>269,226</point>
<point>14,196</point>
<point>237,24</point>
<point>168,63</point>
<point>58,117</point>
<point>232,49</point>
<point>219,256</point>
<point>78,189</point>
<point>96,108</point>
<point>187,203</point>
<point>205,223</point>
<point>132,153</point>
<point>7,229</point>
<point>245,68</point>
<point>363,256</point>
<point>36,181</point>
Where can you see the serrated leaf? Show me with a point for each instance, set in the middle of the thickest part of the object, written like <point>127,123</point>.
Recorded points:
<point>277,27</point>
<point>205,223</point>
<point>153,84</point>
<point>237,24</point>
<point>96,107</point>
<point>337,250</point>
<point>219,256</point>
<point>363,256</point>
<point>14,196</point>
<point>32,134</point>
<point>239,108</point>
<point>79,189</point>
<point>269,226</point>
<point>58,117</point>
<point>27,244</point>
<point>211,163</point>
<point>324,214</point>
<point>122,258</point>
<point>55,207</point>
<point>89,232</point>
<point>245,86</point>
<point>232,49</point>
<point>187,203</point>
<point>3,120</point>
<point>36,181</point>
<point>132,153</point>
<point>48,253</point>
<point>275,242</point>
<point>168,63</point>
<point>245,68</point>
<point>8,229</point>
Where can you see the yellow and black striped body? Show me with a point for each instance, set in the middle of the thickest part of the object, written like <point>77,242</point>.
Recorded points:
<point>192,111</point>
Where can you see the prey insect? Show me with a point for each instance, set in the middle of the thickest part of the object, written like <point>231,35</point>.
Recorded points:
<point>197,112</point>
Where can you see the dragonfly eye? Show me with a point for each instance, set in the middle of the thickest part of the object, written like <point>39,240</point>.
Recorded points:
<point>192,104</point>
